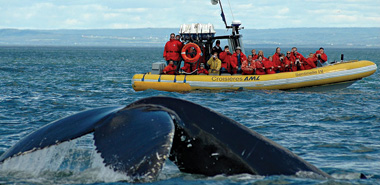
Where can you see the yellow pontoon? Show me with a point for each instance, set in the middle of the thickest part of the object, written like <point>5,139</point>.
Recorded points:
<point>332,75</point>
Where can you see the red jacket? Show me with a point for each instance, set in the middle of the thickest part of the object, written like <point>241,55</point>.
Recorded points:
<point>254,57</point>
<point>269,67</point>
<point>310,63</point>
<point>259,68</point>
<point>170,69</point>
<point>172,50</point>
<point>297,56</point>
<point>288,65</point>
<point>188,68</point>
<point>277,62</point>
<point>234,61</point>
<point>323,56</point>
<point>248,67</point>
<point>264,58</point>
<point>204,71</point>
<point>226,60</point>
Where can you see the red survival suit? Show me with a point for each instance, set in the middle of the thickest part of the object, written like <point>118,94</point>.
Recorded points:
<point>310,63</point>
<point>188,67</point>
<point>259,67</point>
<point>269,67</point>
<point>234,61</point>
<point>277,62</point>
<point>170,69</point>
<point>323,58</point>
<point>248,68</point>
<point>172,50</point>
<point>202,71</point>
<point>226,58</point>
<point>288,65</point>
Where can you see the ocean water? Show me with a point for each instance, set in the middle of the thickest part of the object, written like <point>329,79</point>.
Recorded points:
<point>337,131</point>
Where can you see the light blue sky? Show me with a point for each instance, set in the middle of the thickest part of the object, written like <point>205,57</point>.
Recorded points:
<point>258,14</point>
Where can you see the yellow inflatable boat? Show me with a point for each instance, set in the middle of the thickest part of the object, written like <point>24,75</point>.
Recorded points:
<point>328,77</point>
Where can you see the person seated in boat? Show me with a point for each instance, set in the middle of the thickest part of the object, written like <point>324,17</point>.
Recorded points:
<point>276,60</point>
<point>295,55</point>
<point>299,64</point>
<point>259,66</point>
<point>226,57</point>
<point>237,59</point>
<point>248,66</point>
<point>217,48</point>
<point>269,65</point>
<point>170,69</point>
<point>202,70</point>
<point>288,64</point>
<point>254,55</point>
<point>172,50</point>
<point>214,63</point>
<point>261,53</point>
<point>190,67</point>
<point>321,56</point>
<point>310,62</point>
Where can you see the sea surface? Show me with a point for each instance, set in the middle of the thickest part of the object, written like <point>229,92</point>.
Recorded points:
<point>337,131</point>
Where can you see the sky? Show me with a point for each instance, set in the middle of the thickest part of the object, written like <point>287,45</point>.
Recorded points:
<point>127,14</point>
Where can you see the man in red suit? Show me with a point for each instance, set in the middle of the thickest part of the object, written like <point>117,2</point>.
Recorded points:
<point>276,60</point>
<point>321,55</point>
<point>172,50</point>
<point>225,57</point>
<point>170,69</point>
<point>237,60</point>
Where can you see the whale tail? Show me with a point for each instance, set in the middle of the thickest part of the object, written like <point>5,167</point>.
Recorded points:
<point>137,139</point>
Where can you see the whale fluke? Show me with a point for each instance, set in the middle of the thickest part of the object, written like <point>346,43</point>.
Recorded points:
<point>220,145</point>
<point>137,139</point>
<point>61,130</point>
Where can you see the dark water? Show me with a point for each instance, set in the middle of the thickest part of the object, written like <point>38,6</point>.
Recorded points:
<point>338,131</point>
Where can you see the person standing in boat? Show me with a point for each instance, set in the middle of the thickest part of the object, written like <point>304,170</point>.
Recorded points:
<point>172,50</point>
<point>276,60</point>
<point>214,63</point>
<point>254,55</point>
<point>321,56</point>
<point>248,66</point>
<point>170,69</point>
<point>260,68</point>
<point>226,57</point>
<point>269,66</point>
<point>237,59</point>
<point>217,48</point>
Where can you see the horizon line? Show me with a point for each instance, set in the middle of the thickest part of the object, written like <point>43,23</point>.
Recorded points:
<point>55,29</point>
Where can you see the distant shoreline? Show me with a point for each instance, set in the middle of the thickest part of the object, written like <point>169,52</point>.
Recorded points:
<point>157,37</point>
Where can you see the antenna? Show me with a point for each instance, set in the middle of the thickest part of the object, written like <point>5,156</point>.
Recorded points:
<point>231,10</point>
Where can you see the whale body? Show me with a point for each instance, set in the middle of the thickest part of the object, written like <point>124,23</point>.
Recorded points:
<point>137,140</point>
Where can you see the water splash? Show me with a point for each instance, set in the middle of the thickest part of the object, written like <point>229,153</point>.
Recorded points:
<point>75,161</point>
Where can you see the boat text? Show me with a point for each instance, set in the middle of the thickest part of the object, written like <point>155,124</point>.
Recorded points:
<point>235,79</point>
<point>307,73</point>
